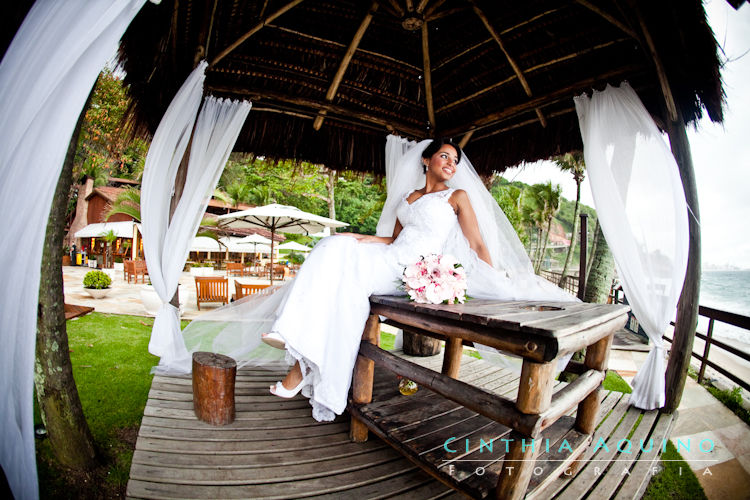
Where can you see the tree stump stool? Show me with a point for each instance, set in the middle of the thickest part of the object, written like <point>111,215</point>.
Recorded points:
<point>213,387</point>
<point>420,345</point>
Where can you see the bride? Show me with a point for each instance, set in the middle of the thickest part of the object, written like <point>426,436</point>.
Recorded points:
<point>318,318</point>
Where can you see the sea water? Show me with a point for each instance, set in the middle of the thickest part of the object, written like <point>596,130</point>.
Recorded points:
<point>727,291</point>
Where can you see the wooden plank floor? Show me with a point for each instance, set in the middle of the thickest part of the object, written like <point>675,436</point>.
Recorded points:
<point>274,449</point>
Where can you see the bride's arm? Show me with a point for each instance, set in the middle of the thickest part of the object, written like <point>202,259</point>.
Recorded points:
<point>467,219</point>
<point>366,238</point>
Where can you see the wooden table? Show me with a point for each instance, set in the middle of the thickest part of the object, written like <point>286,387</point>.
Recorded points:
<point>540,333</point>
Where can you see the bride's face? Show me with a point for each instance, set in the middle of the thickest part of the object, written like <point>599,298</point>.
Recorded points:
<point>442,164</point>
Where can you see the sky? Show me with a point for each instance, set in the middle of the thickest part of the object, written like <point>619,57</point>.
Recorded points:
<point>721,153</point>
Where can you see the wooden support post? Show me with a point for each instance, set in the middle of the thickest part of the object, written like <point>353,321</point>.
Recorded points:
<point>213,387</point>
<point>518,465</point>
<point>597,358</point>
<point>362,380</point>
<point>535,387</point>
<point>427,76</point>
<point>582,256</point>
<point>687,308</point>
<point>454,348</point>
<point>534,397</point>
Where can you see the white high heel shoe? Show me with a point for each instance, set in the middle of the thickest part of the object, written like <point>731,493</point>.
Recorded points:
<point>282,392</point>
<point>274,340</point>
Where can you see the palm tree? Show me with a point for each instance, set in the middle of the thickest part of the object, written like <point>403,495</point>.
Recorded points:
<point>573,163</point>
<point>128,202</point>
<point>110,237</point>
<point>546,200</point>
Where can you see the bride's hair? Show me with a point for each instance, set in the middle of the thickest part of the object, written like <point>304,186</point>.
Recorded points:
<point>435,146</point>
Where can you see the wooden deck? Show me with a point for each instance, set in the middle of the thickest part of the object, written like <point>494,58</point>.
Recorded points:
<point>276,450</point>
<point>73,311</point>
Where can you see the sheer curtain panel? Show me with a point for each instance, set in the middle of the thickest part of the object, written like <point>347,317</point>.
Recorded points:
<point>166,242</point>
<point>640,203</point>
<point>45,77</point>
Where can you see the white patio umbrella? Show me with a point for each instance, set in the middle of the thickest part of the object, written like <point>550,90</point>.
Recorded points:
<point>255,239</point>
<point>278,218</point>
<point>294,247</point>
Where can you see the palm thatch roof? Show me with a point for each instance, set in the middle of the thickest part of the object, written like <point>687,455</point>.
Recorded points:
<point>330,78</point>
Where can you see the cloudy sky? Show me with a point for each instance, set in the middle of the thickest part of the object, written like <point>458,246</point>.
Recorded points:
<point>721,153</point>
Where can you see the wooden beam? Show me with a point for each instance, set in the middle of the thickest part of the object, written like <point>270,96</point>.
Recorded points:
<point>491,405</point>
<point>399,10</point>
<point>687,308</point>
<point>565,92</point>
<point>409,5</point>
<point>465,139</point>
<point>511,61</point>
<point>422,5</point>
<point>345,61</point>
<point>427,76</point>
<point>377,55</point>
<point>357,116</point>
<point>254,30</point>
<point>610,18</point>
<point>429,12</point>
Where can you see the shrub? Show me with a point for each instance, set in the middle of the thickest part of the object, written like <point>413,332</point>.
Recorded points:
<point>97,280</point>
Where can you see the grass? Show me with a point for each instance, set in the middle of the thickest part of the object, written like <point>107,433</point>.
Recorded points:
<point>112,370</point>
<point>732,399</point>
<point>675,481</point>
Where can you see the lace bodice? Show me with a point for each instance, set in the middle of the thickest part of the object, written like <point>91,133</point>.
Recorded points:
<point>426,222</point>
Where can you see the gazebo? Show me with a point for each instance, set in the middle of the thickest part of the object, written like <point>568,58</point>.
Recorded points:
<point>330,78</point>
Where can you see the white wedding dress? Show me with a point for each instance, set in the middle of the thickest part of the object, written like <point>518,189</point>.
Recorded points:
<point>323,315</point>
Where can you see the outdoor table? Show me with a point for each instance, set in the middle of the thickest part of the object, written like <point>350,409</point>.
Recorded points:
<point>541,333</point>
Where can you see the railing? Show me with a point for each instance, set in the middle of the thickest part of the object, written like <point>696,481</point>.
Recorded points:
<point>570,284</point>
<point>729,318</point>
<point>713,315</point>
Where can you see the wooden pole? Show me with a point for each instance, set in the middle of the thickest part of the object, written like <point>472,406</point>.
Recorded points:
<point>427,76</point>
<point>511,60</point>
<point>345,62</point>
<point>687,308</point>
<point>582,256</point>
<point>253,31</point>
<point>362,380</point>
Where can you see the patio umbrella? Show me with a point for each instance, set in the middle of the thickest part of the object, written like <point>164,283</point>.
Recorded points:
<point>294,247</point>
<point>254,239</point>
<point>278,218</point>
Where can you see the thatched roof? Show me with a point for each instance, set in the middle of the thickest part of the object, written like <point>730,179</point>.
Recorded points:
<point>505,71</point>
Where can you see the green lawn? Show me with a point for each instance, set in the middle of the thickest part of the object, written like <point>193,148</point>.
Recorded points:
<point>111,366</point>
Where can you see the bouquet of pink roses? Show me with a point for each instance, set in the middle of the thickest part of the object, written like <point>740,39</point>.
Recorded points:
<point>436,279</point>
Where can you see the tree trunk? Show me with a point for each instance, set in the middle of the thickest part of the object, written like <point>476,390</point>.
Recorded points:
<point>57,394</point>
<point>331,187</point>
<point>571,249</point>
<point>592,250</point>
<point>544,246</point>
<point>601,273</point>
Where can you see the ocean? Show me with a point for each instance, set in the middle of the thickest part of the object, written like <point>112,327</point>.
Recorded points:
<point>728,291</point>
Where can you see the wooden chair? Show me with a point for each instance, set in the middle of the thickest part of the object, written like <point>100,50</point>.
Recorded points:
<point>128,270</point>
<point>211,289</point>
<point>140,268</point>
<point>241,289</point>
<point>235,269</point>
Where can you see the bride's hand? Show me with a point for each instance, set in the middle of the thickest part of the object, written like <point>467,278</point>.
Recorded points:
<point>356,236</point>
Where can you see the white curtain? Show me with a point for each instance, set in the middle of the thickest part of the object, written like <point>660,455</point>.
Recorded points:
<point>641,205</point>
<point>166,243</point>
<point>45,77</point>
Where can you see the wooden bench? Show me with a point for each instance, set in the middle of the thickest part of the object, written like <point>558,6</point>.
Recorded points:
<point>211,289</point>
<point>461,455</point>
<point>242,289</point>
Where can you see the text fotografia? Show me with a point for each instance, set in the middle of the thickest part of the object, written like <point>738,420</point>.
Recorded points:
<point>453,445</point>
